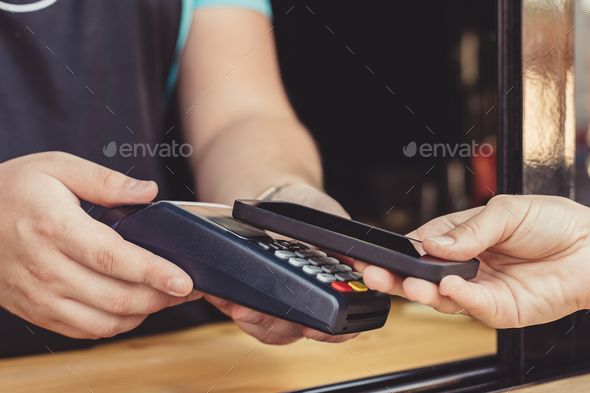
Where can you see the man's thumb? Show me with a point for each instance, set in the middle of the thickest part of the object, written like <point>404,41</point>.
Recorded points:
<point>98,184</point>
<point>467,240</point>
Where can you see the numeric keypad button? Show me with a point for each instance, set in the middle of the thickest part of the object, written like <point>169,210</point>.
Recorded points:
<point>310,269</point>
<point>310,254</point>
<point>326,278</point>
<point>298,262</point>
<point>340,268</point>
<point>284,254</point>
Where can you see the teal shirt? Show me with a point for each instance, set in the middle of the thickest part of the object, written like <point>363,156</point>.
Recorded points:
<point>188,7</point>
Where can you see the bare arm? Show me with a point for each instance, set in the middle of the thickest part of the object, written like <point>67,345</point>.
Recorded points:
<point>245,134</point>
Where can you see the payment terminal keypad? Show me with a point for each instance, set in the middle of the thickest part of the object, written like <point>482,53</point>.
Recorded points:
<point>316,263</point>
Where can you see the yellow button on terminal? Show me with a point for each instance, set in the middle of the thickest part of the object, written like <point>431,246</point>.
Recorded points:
<point>358,286</point>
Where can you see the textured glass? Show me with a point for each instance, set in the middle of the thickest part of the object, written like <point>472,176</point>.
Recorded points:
<point>548,104</point>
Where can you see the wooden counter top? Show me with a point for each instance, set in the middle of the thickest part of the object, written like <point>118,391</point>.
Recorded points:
<point>220,358</point>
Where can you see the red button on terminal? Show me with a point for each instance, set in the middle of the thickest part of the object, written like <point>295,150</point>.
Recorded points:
<point>341,286</point>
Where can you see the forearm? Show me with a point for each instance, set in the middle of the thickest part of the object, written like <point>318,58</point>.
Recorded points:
<point>254,153</point>
<point>244,131</point>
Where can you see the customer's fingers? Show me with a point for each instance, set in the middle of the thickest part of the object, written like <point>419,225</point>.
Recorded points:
<point>414,289</point>
<point>475,299</point>
<point>427,293</point>
<point>360,265</point>
<point>382,280</point>
<point>490,226</point>
<point>443,224</point>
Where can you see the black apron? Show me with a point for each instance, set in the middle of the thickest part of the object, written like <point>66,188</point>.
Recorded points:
<point>89,77</point>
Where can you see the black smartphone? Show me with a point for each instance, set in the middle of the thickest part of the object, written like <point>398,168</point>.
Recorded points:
<point>373,245</point>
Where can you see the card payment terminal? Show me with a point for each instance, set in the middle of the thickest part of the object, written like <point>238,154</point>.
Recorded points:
<point>243,264</point>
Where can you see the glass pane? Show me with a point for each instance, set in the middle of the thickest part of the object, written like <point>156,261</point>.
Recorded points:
<point>402,104</point>
<point>582,101</point>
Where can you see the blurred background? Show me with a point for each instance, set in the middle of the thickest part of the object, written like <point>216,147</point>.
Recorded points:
<point>369,80</point>
<point>582,100</point>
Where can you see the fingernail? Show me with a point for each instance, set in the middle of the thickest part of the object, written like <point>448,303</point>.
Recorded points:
<point>139,186</point>
<point>443,240</point>
<point>177,286</point>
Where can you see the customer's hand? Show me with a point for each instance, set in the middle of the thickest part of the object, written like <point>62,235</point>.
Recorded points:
<point>535,261</point>
<point>273,330</point>
<point>64,271</point>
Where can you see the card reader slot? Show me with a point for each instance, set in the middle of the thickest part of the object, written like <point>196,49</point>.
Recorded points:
<point>365,315</point>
